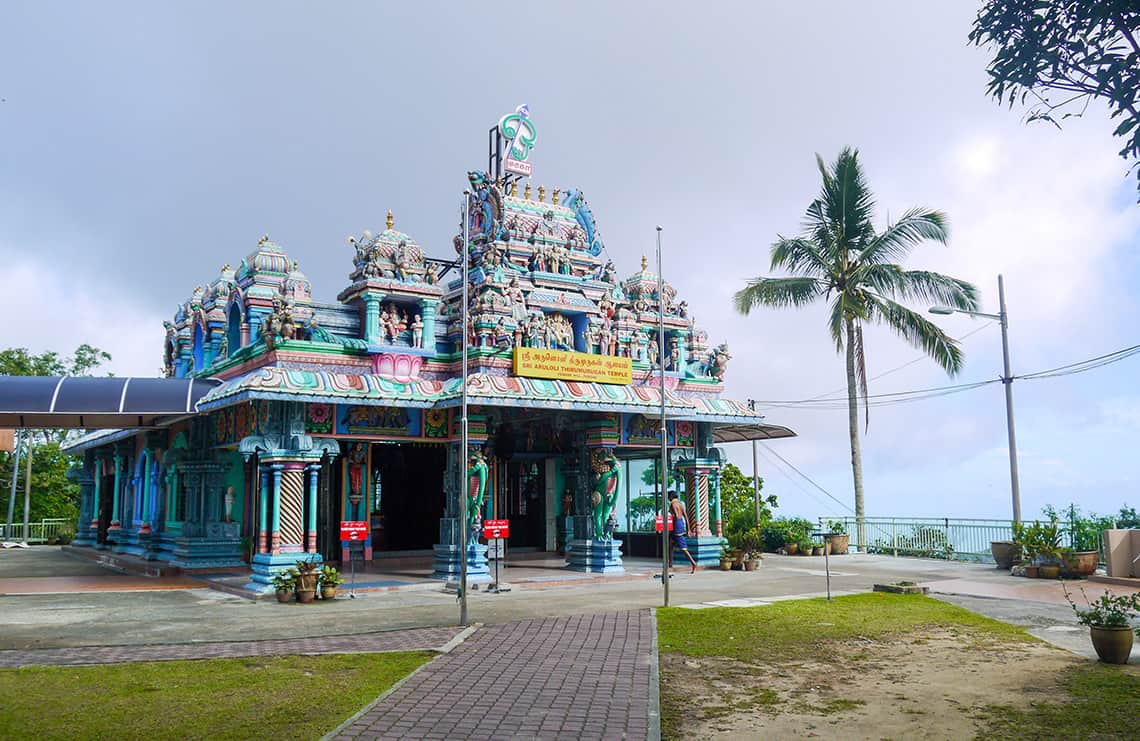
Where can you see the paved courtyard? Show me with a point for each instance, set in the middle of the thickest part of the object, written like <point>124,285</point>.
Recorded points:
<point>550,659</point>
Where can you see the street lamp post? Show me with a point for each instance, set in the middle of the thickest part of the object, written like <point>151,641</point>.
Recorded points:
<point>1007,379</point>
<point>664,432</point>
<point>464,261</point>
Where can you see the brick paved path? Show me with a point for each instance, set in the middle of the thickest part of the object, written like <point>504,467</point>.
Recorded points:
<point>396,640</point>
<point>586,676</point>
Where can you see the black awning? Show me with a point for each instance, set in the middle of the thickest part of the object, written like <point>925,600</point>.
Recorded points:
<point>92,403</point>
<point>735,433</point>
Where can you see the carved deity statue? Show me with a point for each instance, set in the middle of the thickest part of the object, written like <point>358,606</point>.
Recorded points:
<point>418,331</point>
<point>719,361</point>
<point>654,351</point>
<point>607,486</point>
<point>476,491</point>
<point>431,277</point>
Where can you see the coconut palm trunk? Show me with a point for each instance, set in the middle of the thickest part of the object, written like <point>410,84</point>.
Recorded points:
<point>853,430</point>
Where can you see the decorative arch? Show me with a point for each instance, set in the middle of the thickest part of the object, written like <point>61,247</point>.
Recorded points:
<point>199,346</point>
<point>233,326</point>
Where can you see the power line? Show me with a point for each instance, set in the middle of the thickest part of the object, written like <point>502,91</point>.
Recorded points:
<point>794,482</point>
<point>1084,365</point>
<point>807,478</point>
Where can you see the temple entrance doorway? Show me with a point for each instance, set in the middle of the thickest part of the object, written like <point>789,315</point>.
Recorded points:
<point>106,503</point>
<point>407,495</point>
<point>523,502</point>
<point>328,509</point>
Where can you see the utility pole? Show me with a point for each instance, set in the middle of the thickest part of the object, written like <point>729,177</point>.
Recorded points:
<point>664,432</point>
<point>1007,380</point>
<point>27,484</point>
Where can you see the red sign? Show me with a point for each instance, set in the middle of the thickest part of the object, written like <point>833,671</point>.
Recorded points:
<point>495,529</point>
<point>657,523</point>
<point>353,530</point>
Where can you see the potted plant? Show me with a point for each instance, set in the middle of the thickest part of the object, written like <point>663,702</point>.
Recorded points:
<point>805,546</point>
<point>726,557</point>
<point>1079,563</point>
<point>1005,553</point>
<point>753,545</point>
<point>839,539</point>
<point>284,583</point>
<point>1108,619</point>
<point>330,579</point>
<point>307,576</point>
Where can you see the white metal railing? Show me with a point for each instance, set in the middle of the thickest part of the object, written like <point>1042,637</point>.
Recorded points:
<point>960,539</point>
<point>43,531</point>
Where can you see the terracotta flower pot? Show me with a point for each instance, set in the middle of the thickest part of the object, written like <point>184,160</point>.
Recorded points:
<point>1082,563</point>
<point>751,564</point>
<point>791,548</point>
<point>305,596</point>
<point>1113,645</point>
<point>284,595</point>
<point>1031,571</point>
<point>1005,552</point>
<point>839,544</point>
<point>817,550</point>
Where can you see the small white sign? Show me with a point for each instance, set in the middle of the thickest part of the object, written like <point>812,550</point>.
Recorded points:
<point>510,164</point>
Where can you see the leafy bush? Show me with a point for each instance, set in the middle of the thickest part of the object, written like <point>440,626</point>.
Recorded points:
<point>1128,519</point>
<point>1108,610</point>
<point>921,541</point>
<point>784,530</point>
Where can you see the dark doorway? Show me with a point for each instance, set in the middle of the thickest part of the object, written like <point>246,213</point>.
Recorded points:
<point>410,491</point>
<point>328,509</point>
<point>526,504</point>
<point>106,502</point>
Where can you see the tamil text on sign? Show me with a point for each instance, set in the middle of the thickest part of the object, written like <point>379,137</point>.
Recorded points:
<point>495,529</point>
<point>572,366</point>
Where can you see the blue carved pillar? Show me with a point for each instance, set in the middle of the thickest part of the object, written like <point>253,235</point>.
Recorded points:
<point>372,333</point>
<point>447,550</point>
<point>116,523</point>
<point>263,529</point>
<point>428,308</point>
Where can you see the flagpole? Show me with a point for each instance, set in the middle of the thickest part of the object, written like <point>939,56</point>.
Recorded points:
<point>664,431</point>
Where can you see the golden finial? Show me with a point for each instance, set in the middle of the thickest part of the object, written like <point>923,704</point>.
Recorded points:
<point>644,263</point>
<point>541,193</point>
<point>555,199</point>
<point>390,221</point>
<point>225,267</point>
<point>526,191</point>
<point>515,189</point>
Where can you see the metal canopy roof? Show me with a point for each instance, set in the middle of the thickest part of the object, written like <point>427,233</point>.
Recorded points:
<point>735,433</point>
<point>83,402</point>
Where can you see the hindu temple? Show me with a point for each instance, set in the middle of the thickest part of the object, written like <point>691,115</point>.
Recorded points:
<point>314,410</point>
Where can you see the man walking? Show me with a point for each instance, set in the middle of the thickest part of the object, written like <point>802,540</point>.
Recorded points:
<point>677,510</point>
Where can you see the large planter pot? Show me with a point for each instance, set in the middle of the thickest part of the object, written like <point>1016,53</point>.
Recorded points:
<point>791,548</point>
<point>305,596</point>
<point>1113,645</point>
<point>1049,571</point>
<point>284,595</point>
<point>1082,563</point>
<point>726,564</point>
<point>839,544</point>
<point>1005,552</point>
<point>328,592</point>
<point>308,581</point>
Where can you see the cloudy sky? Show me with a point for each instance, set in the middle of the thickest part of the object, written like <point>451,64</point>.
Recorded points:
<point>143,145</point>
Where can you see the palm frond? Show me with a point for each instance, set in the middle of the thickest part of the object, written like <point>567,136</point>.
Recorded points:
<point>893,282</point>
<point>919,332</point>
<point>776,292</point>
<point>847,200</point>
<point>835,322</point>
<point>800,256</point>
<point>897,240</point>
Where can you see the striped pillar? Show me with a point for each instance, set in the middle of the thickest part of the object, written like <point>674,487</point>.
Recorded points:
<point>290,513</point>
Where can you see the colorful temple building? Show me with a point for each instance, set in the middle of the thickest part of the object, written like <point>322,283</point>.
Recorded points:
<point>322,411</point>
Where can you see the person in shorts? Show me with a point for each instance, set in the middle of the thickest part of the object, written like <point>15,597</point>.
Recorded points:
<point>677,510</point>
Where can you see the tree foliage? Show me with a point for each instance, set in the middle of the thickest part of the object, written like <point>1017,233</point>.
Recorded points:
<point>737,499</point>
<point>1059,55</point>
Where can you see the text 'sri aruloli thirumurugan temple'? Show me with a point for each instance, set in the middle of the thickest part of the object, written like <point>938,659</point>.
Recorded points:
<point>349,409</point>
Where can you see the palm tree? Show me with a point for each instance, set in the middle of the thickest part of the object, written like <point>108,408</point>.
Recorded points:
<point>840,258</point>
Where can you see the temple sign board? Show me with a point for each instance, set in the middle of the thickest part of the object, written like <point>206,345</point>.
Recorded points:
<point>495,529</point>
<point>353,530</point>
<point>560,365</point>
<point>520,133</point>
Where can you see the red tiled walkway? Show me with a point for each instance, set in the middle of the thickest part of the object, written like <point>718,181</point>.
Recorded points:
<point>579,677</point>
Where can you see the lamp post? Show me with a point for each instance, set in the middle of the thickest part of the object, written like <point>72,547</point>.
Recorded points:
<point>1007,379</point>
<point>463,482</point>
<point>664,431</point>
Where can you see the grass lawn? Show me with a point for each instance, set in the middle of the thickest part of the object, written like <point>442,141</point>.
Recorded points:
<point>778,631</point>
<point>294,697</point>
<point>793,666</point>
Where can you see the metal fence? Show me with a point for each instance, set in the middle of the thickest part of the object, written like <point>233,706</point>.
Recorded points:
<point>43,531</point>
<point>955,539</point>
